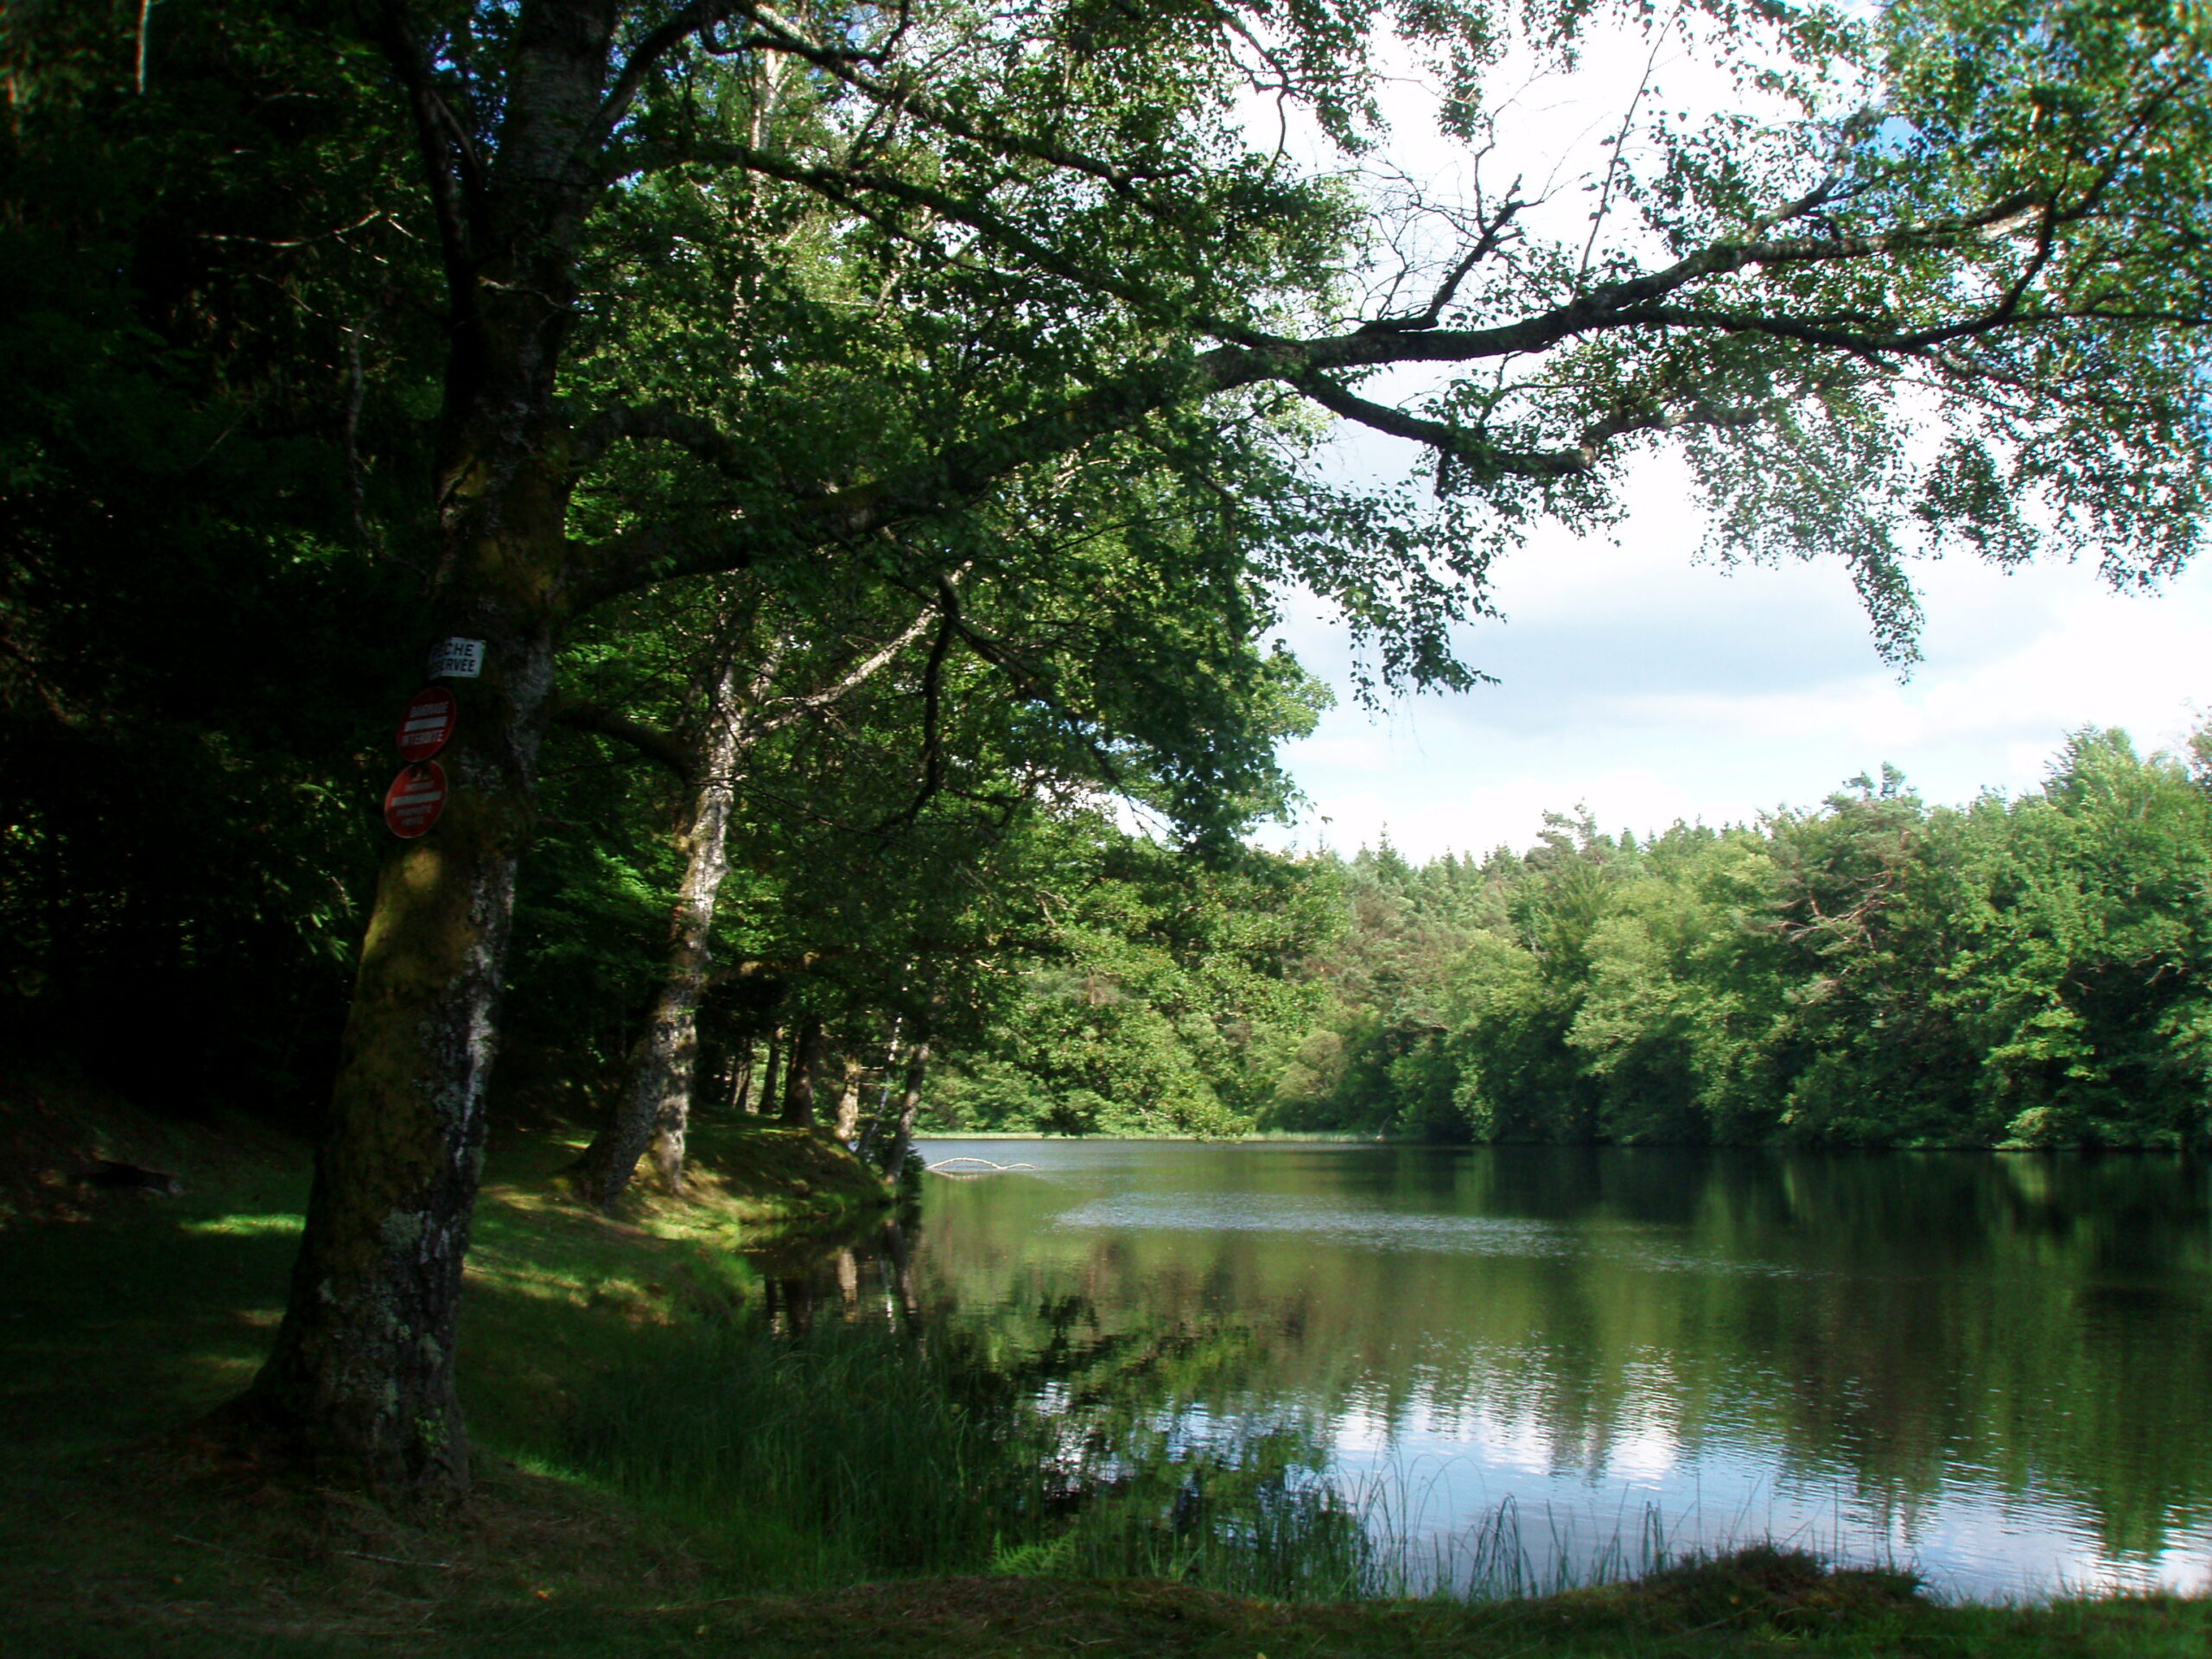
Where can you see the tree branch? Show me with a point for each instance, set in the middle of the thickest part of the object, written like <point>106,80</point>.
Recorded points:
<point>791,707</point>
<point>845,64</point>
<point>644,59</point>
<point>964,472</point>
<point>449,200</point>
<point>663,748</point>
<point>849,188</point>
<point>694,434</point>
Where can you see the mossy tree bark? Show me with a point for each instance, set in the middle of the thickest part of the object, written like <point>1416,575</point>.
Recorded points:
<point>362,1372</point>
<point>361,1376</point>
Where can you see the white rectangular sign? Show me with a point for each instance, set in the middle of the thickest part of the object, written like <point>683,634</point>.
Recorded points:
<point>457,659</point>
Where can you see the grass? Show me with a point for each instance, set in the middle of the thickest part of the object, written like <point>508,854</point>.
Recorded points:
<point>653,1480</point>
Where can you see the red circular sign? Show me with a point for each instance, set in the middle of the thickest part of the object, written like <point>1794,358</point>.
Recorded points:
<point>411,805</point>
<point>427,727</point>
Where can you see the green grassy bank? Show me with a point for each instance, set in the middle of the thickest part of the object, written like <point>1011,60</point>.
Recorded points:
<point>655,1480</point>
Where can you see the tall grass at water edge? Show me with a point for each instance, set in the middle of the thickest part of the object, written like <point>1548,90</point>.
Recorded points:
<point>856,1453</point>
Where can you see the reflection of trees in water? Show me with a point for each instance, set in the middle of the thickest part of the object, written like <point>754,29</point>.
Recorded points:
<point>2043,1322</point>
<point>867,1276</point>
<point>1147,1448</point>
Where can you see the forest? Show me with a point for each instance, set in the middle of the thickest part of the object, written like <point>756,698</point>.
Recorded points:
<point>839,469</point>
<point>2031,972</point>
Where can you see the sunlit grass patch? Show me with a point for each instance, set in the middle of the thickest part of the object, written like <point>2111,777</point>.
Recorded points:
<point>247,1225</point>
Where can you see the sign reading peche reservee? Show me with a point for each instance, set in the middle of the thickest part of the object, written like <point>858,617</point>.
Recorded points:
<point>415,798</point>
<point>456,659</point>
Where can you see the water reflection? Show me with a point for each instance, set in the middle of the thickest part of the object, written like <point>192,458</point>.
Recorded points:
<point>865,1275</point>
<point>1996,1368</point>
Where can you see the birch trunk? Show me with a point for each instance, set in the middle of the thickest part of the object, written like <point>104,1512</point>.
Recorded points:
<point>654,1105</point>
<point>848,1102</point>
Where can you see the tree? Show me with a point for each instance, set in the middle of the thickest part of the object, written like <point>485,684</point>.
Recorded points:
<point>1150,991</point>
<point>1991,233</point>
<point>2083,980</point>
<point>749,692</point>
<point>2031,972</point>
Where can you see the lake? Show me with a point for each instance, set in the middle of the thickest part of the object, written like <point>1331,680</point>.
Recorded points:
<point>1995,1369</point>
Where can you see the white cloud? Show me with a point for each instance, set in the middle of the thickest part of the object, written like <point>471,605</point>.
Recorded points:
<point>1653,688</point>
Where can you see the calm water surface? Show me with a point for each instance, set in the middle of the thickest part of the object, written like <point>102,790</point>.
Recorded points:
<point>1996,1368</point>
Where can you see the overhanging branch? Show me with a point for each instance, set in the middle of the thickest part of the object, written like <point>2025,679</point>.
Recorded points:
<point>663,748</point>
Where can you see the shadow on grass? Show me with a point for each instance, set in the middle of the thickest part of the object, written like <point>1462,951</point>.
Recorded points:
<point>147,1314</point>
<point>125,1533</point>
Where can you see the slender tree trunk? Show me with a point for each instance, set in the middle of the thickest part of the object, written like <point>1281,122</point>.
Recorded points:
<point>805,1063</point>
<point>772,1075</point>
<point>876,1128</point>
<point>655,1104</point>
<point>740,1082</point>
<point>849,1100</point>
<point>909,1107</point>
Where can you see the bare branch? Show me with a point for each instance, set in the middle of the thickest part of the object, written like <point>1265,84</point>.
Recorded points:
<point>1620,143</point>
<point>790,708</point>
<point>1493,231</point>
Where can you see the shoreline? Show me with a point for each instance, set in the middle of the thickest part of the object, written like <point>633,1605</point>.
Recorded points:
<point>127,1532</point>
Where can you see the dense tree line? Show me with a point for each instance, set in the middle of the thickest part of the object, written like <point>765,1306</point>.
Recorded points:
<point>2026,972</point>
<point>862,445</point>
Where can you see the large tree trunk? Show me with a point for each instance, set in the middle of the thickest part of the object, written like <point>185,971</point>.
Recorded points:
<point>361,1377</point>
<point>655,1103</point>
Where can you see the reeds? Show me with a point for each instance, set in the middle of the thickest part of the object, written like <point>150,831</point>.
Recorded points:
<point>858,1452</point>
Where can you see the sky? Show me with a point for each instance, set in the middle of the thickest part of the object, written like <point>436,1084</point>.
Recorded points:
<point>1649,687</point>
